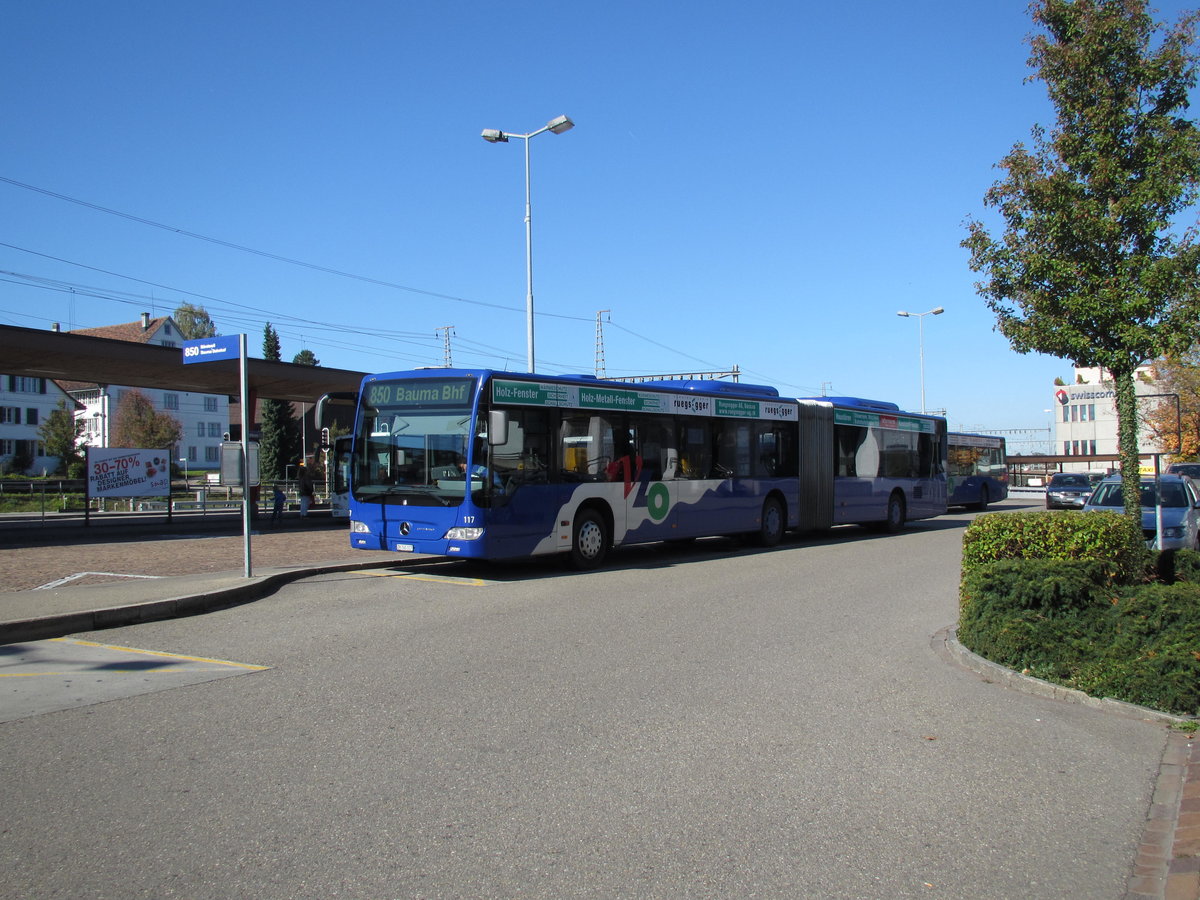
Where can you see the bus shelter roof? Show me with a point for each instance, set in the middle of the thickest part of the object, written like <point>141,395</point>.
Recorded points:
<point>63,356</point>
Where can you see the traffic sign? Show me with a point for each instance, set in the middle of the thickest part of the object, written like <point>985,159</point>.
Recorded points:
<point>211,349</point>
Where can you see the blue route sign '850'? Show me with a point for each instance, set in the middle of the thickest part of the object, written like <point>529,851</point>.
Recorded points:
<point>211,349</point>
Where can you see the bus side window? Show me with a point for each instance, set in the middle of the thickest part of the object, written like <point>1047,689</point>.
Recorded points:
<point>695,449</point>
<point>653,442</point>
<point>525,457</point>
<point>587,446</point>
<point>849,441</point>
<point>733,449</point>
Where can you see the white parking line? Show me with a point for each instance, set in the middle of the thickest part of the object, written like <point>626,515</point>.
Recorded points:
<point>70,578</point>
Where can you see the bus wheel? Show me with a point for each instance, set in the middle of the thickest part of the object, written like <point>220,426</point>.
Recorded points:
<point>895,513</point>
<point>770,530</point>
<point>983,499</point>
<point>590,543</point>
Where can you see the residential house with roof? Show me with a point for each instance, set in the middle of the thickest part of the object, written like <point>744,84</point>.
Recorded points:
<point>204,418</point>
<point>25,404</point>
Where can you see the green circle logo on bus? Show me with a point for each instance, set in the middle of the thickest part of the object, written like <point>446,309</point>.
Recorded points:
<point>658,501</point>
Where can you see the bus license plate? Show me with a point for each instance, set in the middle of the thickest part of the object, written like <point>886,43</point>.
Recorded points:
<point>404,548</point>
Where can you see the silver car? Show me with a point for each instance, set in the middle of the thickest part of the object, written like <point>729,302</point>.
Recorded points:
<point>1180,509</point>
<point>1067,490</point>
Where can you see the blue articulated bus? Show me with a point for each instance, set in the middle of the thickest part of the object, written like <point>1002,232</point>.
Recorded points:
<point>976,469</point>
<point>888,466</point>
<point>493,465</point>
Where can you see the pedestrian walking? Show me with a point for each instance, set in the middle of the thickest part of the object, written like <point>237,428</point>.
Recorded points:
<point>304,487</point>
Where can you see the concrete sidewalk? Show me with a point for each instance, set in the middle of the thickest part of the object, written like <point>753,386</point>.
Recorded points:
<point>61,581</point>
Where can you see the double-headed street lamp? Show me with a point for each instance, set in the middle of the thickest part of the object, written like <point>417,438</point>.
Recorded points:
<point>554,126</point>
<point>920,317</point>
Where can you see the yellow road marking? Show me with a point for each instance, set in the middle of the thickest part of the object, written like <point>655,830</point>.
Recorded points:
<point>159,653</point>
<point>441,579</point>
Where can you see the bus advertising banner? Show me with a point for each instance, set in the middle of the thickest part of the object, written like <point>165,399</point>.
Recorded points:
<point>574,396</point>
<point>890,421</point>
<point>121,472</point>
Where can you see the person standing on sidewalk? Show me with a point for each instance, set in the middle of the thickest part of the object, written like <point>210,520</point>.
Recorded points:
<point>304,487</point>
<point>278,498</point>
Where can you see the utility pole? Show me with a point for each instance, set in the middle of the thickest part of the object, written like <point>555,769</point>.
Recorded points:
<point>600,370</point>
<point>446,331</point>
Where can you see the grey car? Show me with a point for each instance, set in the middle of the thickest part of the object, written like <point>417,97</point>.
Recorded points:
<point>1180,509</point>
<point>1067,490</point>
<point>1191,470</point>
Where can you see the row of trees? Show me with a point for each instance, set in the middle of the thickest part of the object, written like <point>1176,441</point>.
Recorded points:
<point>136,423</point>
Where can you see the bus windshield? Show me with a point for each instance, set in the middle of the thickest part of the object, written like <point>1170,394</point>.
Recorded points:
<point>412,442</point>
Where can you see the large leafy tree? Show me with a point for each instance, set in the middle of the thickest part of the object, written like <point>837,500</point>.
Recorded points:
<point>138,424</point>
<point>194,322</point>
<point>62,435</point>
<point>1091,265</point>
<point>306,358</point>
<point>280,442</point>
<point>1176,420</point>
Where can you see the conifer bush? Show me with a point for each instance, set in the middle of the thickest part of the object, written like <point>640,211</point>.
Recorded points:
<point>1076,602</point>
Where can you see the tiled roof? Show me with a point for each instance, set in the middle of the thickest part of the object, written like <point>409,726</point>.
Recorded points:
<point>68,386</point>
<point>128,331</point>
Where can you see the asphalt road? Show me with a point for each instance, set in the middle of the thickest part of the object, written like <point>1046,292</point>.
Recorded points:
<point>710,722</point>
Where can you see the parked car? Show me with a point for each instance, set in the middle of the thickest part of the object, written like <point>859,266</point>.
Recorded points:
<point>1191,470</point>
<point>1180,509</point>
<point>1067,490</point>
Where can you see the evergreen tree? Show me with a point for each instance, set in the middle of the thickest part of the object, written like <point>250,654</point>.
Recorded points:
<point>1089,267</point>
<point>62,434</point>
<point>306,358</point>
<point>279,445</point>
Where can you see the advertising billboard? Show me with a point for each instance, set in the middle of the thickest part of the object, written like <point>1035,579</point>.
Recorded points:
<point>121,472</point>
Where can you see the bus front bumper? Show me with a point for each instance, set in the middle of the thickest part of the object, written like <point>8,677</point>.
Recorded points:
<point>457,541</point>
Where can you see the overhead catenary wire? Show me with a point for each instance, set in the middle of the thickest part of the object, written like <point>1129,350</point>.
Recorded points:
<point>272,316</point>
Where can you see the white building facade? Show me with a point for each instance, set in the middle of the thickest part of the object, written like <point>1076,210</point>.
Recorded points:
<point>25,405</point>
<point>203,418</point>
<point>1086,413</point>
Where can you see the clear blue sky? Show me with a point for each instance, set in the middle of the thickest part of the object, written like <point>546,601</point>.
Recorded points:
<point>759,184</point>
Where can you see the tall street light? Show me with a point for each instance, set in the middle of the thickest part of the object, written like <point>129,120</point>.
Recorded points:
<point>920,317</point>
<point>491,135</point>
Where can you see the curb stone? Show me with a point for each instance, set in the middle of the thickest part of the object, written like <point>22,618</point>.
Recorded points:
<point>1167,864</point>
<point>41,628</point>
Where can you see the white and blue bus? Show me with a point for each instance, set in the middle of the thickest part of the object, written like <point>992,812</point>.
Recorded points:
<point>976,469</point>
<point>493,465</point>
<point>339,486</point>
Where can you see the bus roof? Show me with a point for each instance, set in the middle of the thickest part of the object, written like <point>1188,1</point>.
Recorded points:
<point>733,388</point>
<point>859,403</point>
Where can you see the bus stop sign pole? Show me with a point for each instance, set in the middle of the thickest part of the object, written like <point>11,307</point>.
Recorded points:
<point>245,389</point>
<point>210,350</point>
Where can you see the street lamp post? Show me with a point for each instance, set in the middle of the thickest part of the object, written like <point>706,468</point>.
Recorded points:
<point>920,317</point>
<point>491,135</point>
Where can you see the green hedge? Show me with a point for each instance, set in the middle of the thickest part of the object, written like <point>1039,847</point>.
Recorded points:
<point>1062,621</point>
<point>1064,597</point>
<point>1112,539</point>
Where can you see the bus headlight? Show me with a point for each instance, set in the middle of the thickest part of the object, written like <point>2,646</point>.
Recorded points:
<point>464,534</point>
<point>359,528</point>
